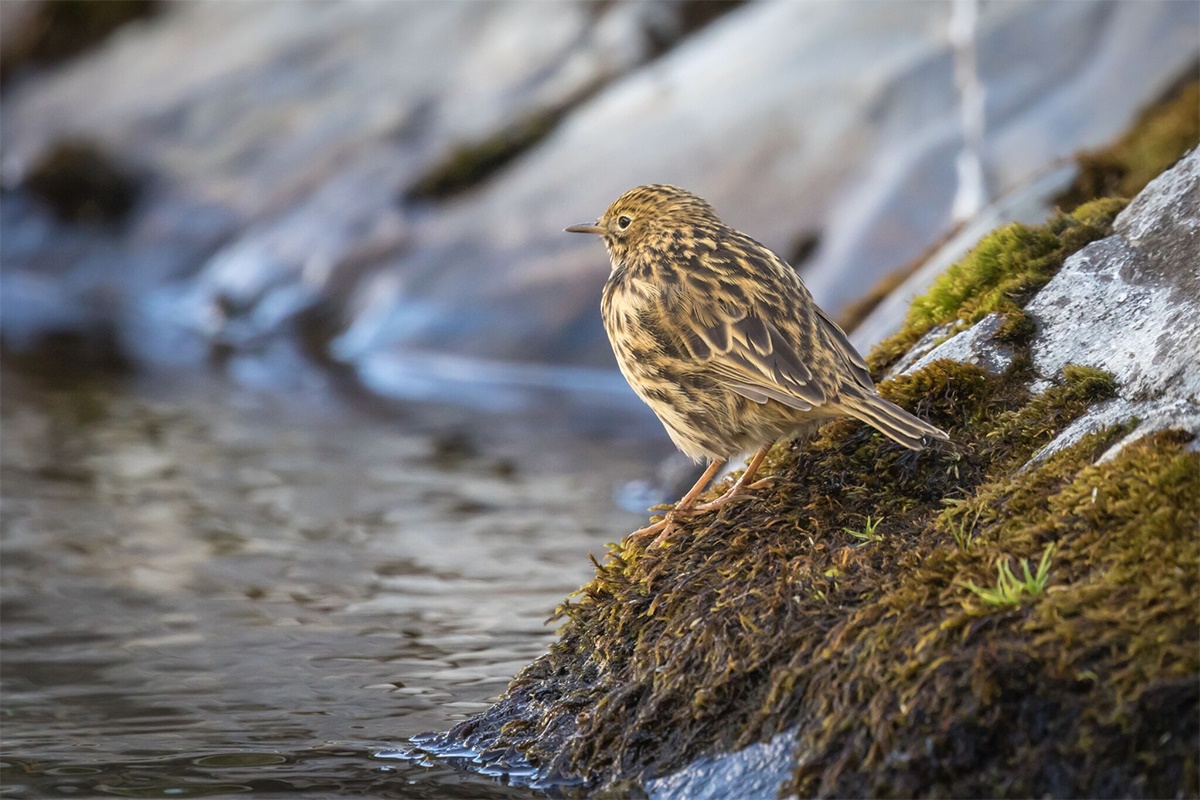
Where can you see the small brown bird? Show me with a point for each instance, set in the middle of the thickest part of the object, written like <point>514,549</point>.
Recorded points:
<point>720,337</point>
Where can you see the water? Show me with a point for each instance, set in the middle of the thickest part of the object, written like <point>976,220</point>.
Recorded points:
<point>209,592</point>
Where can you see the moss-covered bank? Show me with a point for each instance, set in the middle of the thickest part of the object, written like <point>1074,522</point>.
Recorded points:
<point>901,679</point>
<point>902,666</point>
<point>955,622</point>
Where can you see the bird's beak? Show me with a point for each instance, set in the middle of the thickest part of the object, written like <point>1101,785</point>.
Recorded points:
<point>585,227</point>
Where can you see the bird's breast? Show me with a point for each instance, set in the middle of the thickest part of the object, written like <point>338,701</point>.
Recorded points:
<point>624,304</point>
<point>645,349</point>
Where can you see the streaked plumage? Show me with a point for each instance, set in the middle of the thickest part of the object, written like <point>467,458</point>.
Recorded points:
<point>722,339</point>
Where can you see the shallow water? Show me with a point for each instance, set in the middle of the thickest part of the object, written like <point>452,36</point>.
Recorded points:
<point>209,592</point>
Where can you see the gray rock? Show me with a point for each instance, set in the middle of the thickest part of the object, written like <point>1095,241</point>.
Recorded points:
<point>1152,416</point>
<point>1130,305</point>
<point>1149,342</point>
<point>753,773</point>
<point>925,345</point>
<point>976,345</point>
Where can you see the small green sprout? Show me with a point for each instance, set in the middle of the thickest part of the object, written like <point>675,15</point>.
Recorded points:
<point>964,532</point>
<point>964,536</point>
<point>1009,589</point>
<point>867,534</point>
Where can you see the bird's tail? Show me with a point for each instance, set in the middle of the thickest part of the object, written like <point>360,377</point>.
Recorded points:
<point>889,419</point>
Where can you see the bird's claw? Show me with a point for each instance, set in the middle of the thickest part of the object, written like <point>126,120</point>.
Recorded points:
<point>726,499</point>
<point>664,526</point>
<point>660,527</point>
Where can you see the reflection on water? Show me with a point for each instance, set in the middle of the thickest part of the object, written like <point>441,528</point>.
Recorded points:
<point>206,593</point>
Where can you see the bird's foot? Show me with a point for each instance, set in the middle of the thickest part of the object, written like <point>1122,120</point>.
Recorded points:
<point>686,507</point>
<point>665,525</point>
<point>736,493</point>
<point>660,527</point>
<point>741,489</point>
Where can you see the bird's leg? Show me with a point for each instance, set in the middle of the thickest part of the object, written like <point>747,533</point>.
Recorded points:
<point>688,500</point>
<point>739,487</point>
<point>684,507</point>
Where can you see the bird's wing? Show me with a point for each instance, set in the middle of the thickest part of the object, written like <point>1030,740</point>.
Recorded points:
<point>750,355</point>
<point>841,343</point>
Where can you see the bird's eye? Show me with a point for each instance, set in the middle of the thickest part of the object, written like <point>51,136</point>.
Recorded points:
<point>623,222</point>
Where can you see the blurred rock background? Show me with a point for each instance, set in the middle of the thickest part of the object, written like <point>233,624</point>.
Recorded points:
<point>258,215</point>
<point>379,189</point>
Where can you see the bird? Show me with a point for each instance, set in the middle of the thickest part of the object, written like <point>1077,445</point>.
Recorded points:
<point>722,339</point>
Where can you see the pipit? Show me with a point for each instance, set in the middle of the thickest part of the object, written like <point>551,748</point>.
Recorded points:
<point>720,337</point>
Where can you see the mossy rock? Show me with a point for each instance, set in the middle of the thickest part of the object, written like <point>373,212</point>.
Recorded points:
<point>999,275</point>
<point>961,621</point>
<point>968,620</point>
<point>1159,138</point>
<point>897,676</point>
<point>470,163</point>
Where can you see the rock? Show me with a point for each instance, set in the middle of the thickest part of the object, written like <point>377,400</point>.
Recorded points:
<point>277,152</point>
<point>926,344</point>
<point>976,345</point>
<point>1149,270</point>
<point>758,771</point>
<point>1151,341</point>
<point>1149,346</point>
<point>1152,416</point>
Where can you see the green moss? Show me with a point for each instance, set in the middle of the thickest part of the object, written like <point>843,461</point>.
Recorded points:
<point>1060,696</point>
<point>1017,328</point>
<point>1157,140</point>
<point>1018,434</point>
<point>1000,274</point>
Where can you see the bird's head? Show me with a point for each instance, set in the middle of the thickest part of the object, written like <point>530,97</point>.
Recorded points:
<point>638,217</point>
